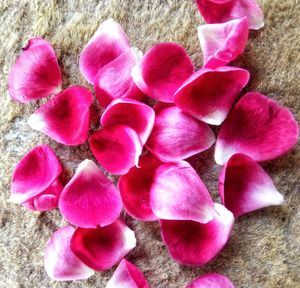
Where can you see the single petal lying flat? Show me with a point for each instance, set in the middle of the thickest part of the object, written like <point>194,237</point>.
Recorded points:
<point>107,44</point>
<point>224,42</point>
<point>103,247</point>
<point>66,117</point>
<point>212,280</point>
<point>258,127</point>
<point>162,70</point>
<point>209,94</point>
<point>177,135</point>
<point>90,198</point>
<point>193,243</point>
<point>60,262</point>
<point>36,73</point>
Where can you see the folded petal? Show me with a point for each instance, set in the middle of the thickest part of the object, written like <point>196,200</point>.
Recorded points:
<point>258,127</point>
<point>134,114</point>
<point>66,117</point>
<point>35,172</point>
<point>102,248</point>
<point>135,188</point>
<point>162,70</point>
<point>223,43</point>
<point>90,198</point>
<point>193,243</point>
<point>177,193</point>
<point>209,94</point>
<point>60,262</point>
<point>212,280</point>
<point>107,44</point>
<point>177,135</point>
<point>127,276</point>
<point>36,73</point>
<point>116,148</point>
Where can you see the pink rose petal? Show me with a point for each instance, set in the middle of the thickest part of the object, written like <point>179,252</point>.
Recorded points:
<point>212,280</point>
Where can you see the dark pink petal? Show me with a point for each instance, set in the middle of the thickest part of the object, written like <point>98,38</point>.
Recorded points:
<point>127,276</point>
<point>60,262</point>
<point>90,198</point>
<point>135,188</point>
<point>114,80</point>
<point>220,11</point>
<point>35,172</point>
<point>102,248</point>
<point>258,127</point>
<point>209,94</point>
<point>116,148</point>
<point>107,44</point>
<point>36,73</point>
<point>223,43</point>
<point>177,135</point>
<point>134,114</point>
<point>177,193</point>
<point>193,243</point>
<point>66,117</point>
<point>212,280</point>
<point>162,70</point>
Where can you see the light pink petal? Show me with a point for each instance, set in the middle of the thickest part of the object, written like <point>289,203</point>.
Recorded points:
<point>102,248</point>
<point>90,198</point>
<point>212,280</point>
<point>162,70</point>
<point>209,94</point>
<point>107,44</point>
<point>34,173</point>
<point>193,243</point>
<point>127,276</point>
<point>36,73</point>
<point>135,188</point>
<point>220,11</point>
<point>116,148</point>
<point>177,135</point>
<point>223,43</point>
<point>134,114</point>
<point>177,193</point>
<point>114,80</point>
<point>258,127</point>
<point>66,117</point>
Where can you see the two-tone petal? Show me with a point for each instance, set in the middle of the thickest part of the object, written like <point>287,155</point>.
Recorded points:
<point>212,280</point>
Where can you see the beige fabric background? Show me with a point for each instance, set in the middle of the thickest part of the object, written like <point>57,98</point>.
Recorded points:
<point>263,251</point>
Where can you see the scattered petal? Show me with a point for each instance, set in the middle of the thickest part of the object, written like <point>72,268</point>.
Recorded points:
<point>212,280</point>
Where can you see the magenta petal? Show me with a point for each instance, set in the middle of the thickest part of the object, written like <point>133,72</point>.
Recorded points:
<point>176,135</point>
<point>36,73</point>
<point>134,114</point>
<point>102,248</point>
<point>223,43</point>
<point>60,262</point>
<point>193,243</point>
<point>90,198</point>
<point>258,127</point>
<point>66,117</point>
<point>177,193</point>
<point>209,94</point>
<point>127,276</point>
<point>108,43</point>
<point>135,188</point>
<point>162,70</point>
<point>212,280</point>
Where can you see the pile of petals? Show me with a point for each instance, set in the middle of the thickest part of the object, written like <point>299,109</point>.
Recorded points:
<point>148,145</point>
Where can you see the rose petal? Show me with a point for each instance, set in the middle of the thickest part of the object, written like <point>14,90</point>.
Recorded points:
<point>60,262</point>
<point>212,280</point>
<point>209,94</point>
<point>176,135</point>
<point>258,127</point>
<point>162,70</point>
<point>193,243</point>
<point>108,43</point>
<point>223,43</point>
<point>90,198</point>
<point>116,148</point>
<point>66,117</point>
<point>102,248</point>
<point>36,73</point>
